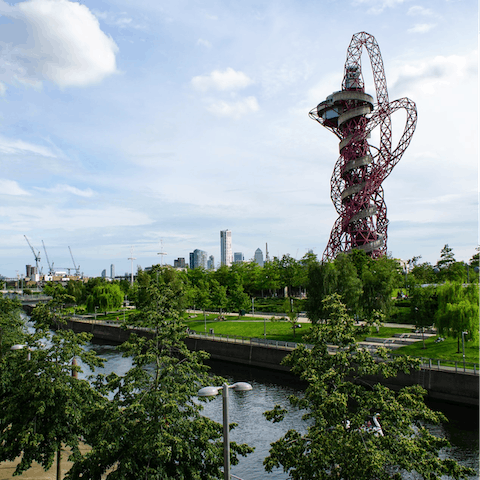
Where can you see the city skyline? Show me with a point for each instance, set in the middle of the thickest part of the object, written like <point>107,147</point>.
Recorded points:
<point>131,124</point>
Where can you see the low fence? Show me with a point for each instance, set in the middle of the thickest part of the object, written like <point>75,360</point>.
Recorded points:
<point>426,363</point>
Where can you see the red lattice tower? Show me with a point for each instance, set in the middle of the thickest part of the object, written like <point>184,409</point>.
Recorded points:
<point>356,183</point>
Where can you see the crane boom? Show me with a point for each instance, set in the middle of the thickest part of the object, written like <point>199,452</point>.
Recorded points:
<point>36,255</point>
<point>77,269</point>
<point>50,267</point>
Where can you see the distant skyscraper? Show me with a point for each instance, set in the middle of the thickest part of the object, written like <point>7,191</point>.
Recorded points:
<point>238,257</point>
<point>258,257</point>
<point>226,247</point>
<point>198,258</point>
<point>112,271</point>
<point>211,262</point>
<point>179,263</point>
<point>104,273</point>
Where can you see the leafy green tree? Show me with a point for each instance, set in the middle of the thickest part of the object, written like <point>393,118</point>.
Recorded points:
<point>76,289</point>
<point>44,408</point>
<point>424,273</point>
<point>105,296</point>
<point>339,276</point>
<point>153,427</point>
<point>218,295</point>
<point>379,279</point>
<point>322,282</point>
<point>447,258</point>
<point>457,310</point>
<point>11,324</point>
<point>271,276</point>
<point>289,273</point>
<point>474,261</point>
<point>423,306</point>
<point>339,403</point>
<point>349,286</point>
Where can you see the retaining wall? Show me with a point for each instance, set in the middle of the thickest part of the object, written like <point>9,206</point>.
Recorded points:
<point>457,387</point>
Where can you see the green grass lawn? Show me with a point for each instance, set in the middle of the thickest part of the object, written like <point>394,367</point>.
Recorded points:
<point>279,330</point>
<point>446,350</point>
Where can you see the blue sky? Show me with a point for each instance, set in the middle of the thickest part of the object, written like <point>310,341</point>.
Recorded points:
<point>130,123</point>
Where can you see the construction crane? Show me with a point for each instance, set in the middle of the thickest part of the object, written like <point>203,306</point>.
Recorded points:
<point>36,255</point>
<point>50,267</point>
<point>77,269</point>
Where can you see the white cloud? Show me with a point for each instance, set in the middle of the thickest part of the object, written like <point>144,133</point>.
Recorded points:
<point>203,43</point>
<point>10,187</point>
<point>63,188</point>
<point>418,10</point>
<point>234,109</point>
<point>71,219</point>
<point>440,70</point>
<point>421,28</point>
<point>378,6</point>
<point>19,147</point>
<point>57,40</point>
<point>218,80</point>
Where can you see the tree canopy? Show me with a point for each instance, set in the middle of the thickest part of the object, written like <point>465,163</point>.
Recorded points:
<point>153,427</point>
<point>341,403</point>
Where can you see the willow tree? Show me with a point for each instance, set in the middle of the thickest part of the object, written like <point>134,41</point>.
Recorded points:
<point>457,310</point>
<point>341,400</point>
<point>153,427</point>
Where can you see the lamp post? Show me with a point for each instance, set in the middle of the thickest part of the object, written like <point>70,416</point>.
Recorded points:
<point>463,348</point>
<point>211,391</point>
<point>20,347</point>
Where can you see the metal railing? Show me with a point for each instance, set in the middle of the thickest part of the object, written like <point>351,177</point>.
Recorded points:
<point>426,363</point>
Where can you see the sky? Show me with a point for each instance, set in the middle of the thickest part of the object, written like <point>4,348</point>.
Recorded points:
<point>133,128</point>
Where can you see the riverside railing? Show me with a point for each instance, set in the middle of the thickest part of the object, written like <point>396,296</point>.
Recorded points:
<point>426,363</point>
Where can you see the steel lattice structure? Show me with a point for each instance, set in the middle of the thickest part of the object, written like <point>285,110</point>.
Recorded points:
<point>356,183</point>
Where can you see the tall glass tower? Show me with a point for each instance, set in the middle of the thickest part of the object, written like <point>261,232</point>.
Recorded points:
<point>226,257</point>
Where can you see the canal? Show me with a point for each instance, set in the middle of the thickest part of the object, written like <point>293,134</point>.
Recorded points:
<point>271,388</point>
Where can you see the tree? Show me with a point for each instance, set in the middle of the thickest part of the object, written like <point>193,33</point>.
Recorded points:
<point>105,296</point>
<point>44,408</point>
<point>447,258</point>
<point>457,310</point>
<point>322,282</point>
<point>423,306</point>
<point>339,276</point>
<point>379,279</point>
<point>339,402</point>
<point>424,273</point>
<point>218,295</point>
<point>11,324</point>
<point>153,426</point>
<point>474,261</point>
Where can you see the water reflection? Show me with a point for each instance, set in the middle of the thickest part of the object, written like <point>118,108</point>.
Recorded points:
<point>271,388</point>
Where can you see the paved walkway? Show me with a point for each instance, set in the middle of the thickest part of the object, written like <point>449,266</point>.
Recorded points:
<point>36,472</point>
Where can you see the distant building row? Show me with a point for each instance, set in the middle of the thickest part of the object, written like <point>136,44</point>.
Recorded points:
<point>199,258</point>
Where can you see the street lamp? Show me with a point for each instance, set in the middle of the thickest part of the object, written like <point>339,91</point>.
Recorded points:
<point>20,347</point>
<point>211,391</point>
<point>463,348</point>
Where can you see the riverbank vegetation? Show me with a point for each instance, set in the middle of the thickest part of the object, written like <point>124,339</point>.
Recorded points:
<point>147,423</point>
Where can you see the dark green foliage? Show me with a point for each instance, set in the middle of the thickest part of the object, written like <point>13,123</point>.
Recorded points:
<point>364,285</point>
<point>43,407</point>
<point>105,296</point>
<point>152,428</point>
<point>338,403</point>
<point>458,310</point>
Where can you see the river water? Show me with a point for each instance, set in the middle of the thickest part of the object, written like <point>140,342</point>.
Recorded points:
<point>271,388</point>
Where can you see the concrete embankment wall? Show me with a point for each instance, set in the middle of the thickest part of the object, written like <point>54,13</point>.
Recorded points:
<point>458,387</point>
